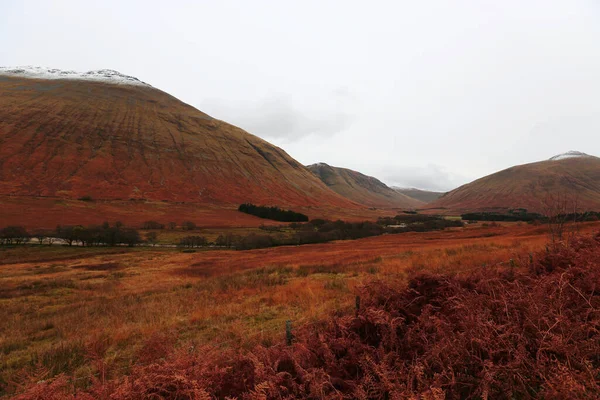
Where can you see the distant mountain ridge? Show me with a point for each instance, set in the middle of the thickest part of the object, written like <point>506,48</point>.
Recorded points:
<point>574,174</point>
<point>426,196</point>
<point>361,188</point>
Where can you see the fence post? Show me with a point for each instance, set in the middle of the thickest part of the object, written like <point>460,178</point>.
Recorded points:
<point>288,332</point>
<point>357,304</point>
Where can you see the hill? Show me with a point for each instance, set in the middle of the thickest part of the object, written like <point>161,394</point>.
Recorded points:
<point>108,136</point>
<point>361,188</point>
<point>573,174</point>
<point>426,196</point>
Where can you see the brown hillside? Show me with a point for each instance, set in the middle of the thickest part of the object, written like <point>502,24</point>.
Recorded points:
<point>361,188</point>
<point>425,196</point>
<point>527,186</point>
<point>74,138</point>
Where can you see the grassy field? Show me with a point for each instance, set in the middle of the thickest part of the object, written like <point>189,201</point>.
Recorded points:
<point>167,236</point>
<point>91,311</point>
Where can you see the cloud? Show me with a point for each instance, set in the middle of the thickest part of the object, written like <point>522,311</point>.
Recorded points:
<point>431,177</point>
<point>278,118</point>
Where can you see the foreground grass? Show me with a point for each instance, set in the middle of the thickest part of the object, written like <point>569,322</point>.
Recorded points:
<point>90,312</point>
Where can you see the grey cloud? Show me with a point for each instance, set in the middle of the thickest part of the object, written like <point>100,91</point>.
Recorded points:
<point>430,177</point>
<point>278,118</point>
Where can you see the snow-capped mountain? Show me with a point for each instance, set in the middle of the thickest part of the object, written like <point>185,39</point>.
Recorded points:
<point>569,154</point>
<point>103,75</point>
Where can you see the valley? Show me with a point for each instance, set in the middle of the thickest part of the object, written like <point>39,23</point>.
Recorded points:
<point>149,250</point>
<point>59,303</point>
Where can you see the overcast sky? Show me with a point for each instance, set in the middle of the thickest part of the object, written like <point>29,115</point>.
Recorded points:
<point>431,94</point>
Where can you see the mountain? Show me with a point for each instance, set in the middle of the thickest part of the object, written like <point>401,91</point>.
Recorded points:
<point>108,136</point>
<point>426,196</point>
<point>574,174</point>
<point>361,188</point>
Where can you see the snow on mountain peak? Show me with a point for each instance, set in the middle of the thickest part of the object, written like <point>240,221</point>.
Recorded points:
<point>319,164</point>
<point>569,154</point>
<point>102,75</point>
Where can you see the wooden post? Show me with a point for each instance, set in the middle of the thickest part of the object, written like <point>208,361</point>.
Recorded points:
<point>288,332</point>
<point>357,304</point>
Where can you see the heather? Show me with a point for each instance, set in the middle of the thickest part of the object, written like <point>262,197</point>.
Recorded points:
<point>527,328</point>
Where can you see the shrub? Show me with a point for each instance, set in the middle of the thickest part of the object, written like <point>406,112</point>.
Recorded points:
<point>188,226</point>
<point>152,237</point>
<point>254,241</point>
<point>152,225</point>
<point>193,241</point>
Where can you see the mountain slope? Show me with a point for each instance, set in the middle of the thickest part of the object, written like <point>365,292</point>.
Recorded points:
<point>527,186</point>
<point>361,188</point>
<point>109,136</point>
<point>425,196</point>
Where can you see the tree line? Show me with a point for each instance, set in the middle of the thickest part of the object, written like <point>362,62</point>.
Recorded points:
<point>314,231</point>
<point>274,213</point>
<point>525,216</point>
<point>92,235</point>
<point>323,231</point>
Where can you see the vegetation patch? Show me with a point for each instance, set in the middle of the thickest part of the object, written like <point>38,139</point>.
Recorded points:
<point>110,266</point>
<point>274,213</point>
<point>525,331</point>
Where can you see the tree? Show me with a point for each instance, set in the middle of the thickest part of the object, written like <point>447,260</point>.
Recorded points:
<point>40,235</point>
<point>193,241</point>
<point>560,210</point>
<point>227,240</point>
<point>14,234</point>
<point>152,225</point>
<point>188,225</point>
<point>152,238</point>
<point>65,233</point>
<point>130,237</point>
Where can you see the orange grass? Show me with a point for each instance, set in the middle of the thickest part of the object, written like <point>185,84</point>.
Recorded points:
<point>55,310</point>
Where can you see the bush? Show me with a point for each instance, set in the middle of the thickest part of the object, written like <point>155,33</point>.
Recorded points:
<point>152,225</point>
<point>193,241</point>
<point>188,226</point>
<point>254,241</point>
<point>268,228</point>
<point>151,237</point>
